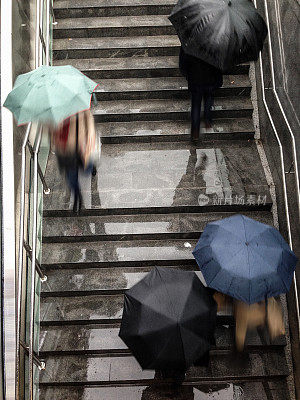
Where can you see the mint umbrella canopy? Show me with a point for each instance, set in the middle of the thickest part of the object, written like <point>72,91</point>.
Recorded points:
<point>245,259</point>
<point>49,95</point>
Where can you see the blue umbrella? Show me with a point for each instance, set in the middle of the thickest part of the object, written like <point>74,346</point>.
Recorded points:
<point>245,259</point>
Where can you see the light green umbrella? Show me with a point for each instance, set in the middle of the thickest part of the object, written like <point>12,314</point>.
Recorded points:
<point>49,95</point>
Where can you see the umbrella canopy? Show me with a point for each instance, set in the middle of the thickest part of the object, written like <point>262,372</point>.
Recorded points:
<point>245,259</point>
<point>168,320</point>
<point>222,33</point>
<point>49,95</point>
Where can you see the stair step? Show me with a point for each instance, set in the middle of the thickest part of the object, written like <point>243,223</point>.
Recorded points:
<point>103,371</point>
<point>64,282</point>
<point>173,131</point>
<point>133,67</point>
<point>239,390</point>
<point>167,45</point>
<point>105,340</point>
<point>92,309</point>
<point>167,88</point>
<point>99,8</point>
<point>153,110</point>
<point>179,226</point>
<point>116,253</point>
<point>140,25</point>
<point>167,178</point>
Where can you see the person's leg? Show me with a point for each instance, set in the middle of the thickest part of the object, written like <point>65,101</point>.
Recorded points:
<point>208,96</point>
<point>196,97</point>
<point>90,169</point>
<point>72,179</point>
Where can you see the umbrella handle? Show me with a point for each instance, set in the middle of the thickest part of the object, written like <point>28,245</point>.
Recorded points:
<point>95,99</point>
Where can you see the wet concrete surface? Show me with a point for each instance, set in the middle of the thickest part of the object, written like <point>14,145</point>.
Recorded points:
<point>145,175</point>
<point>145,207</point>
<point>238,391</point>
<point>104,338</point>
<point>124,251</point>
<point>123,225</point>
<point>126,368</point>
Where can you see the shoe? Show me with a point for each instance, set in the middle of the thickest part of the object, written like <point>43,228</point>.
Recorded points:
<point>77,204</point>
<point>194,135</point>
<point>94,171</point>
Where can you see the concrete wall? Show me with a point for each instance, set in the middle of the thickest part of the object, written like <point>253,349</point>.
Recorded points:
<point>280,131</point>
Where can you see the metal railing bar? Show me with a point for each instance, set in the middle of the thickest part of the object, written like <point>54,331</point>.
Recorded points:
<point>37,264</point>
<point>42,41</point>
<point>48,31</point>
<point>20,263</point>
<point>47,190</point>
<point>37,25</point>
<point>40,30</point>
<point>33,265</point>
<point>52,12</point>
<point>36,359</point>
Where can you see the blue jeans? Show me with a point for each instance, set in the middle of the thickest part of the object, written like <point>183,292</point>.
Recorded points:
<point>72,178</point>
<point>205,92</point>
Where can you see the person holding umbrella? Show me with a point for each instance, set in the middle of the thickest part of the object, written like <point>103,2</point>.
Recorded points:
<point>60,98</point>
<point>74,142</point>
<point>168,322</point>
<point>219,33</point>
<point>203,79</point>
<point>251,262</point>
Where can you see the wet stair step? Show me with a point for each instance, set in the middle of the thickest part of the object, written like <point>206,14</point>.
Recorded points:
<point>95,228</point>
<point>172,131</point>
<point>153,110</point>
<point>105,340</point>
<point>239,390</point>
<point>166,45</point>
<point>133,67</point>
<point>100,371</point>
<point>98,8</point>
<point>76,282</point>
<point>92,309</point>
<point>145,178</point>
<point>125,253</point>
<point>167,88</point>
<point>144,25</point>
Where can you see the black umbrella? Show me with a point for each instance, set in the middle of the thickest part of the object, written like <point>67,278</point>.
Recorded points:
<point>168,319</point>
<point>222,33</point>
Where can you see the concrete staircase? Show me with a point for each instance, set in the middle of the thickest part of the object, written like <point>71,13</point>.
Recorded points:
<point>151,199</point>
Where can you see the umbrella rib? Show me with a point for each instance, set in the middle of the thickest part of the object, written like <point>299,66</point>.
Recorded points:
<point>173,309</point>
<point>246,240</point>
<point>266,262</point>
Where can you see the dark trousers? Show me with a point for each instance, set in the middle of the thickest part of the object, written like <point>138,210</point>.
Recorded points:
<point>72,178</point>
<point>207,93</point>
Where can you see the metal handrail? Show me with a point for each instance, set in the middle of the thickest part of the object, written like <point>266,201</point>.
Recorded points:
<point>280,150</point>
<point>20,264</point>
<point>33,266</point>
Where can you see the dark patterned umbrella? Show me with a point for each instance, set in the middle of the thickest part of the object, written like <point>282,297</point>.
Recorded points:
<point>168,320</point>
<point>221,33</point>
